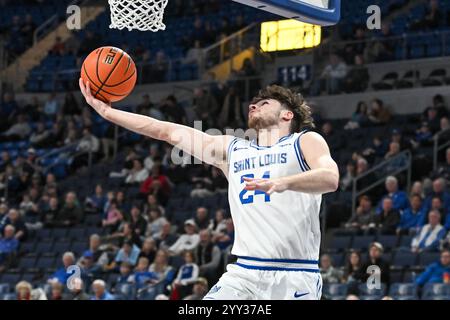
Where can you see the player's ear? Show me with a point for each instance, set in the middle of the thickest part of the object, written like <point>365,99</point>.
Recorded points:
<point>287,115</point>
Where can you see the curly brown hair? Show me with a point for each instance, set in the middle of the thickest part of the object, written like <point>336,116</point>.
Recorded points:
<point>291,101</point>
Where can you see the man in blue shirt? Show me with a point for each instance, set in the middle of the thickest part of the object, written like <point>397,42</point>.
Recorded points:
<point>129,252</point>
<point>100,292</point>
<point>438,191</point>
<point>399,198</point>
<point>412,218</point>
<point>430,235</point>
<point>61,275</point>
<point>8,244</point>
<point>437,272</point>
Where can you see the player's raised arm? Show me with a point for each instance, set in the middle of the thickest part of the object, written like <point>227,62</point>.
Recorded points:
<point>208,148</point>
<point>323,176</point>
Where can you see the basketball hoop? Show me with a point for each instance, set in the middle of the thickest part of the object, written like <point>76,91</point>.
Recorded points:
<point>142,15</point>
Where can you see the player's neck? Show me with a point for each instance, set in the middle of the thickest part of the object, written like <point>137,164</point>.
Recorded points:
<point>269,136</point>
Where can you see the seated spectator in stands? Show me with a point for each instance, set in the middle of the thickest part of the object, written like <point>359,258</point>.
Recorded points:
<point>385,222</point>
<point>208,256</point>
<point>199,290</point>
<point>113,217</point>
<point>357,78</point>
<point>124,234</point>
<point>165,239</point>
<point>417,188</point>
<point>148,249</point>
<point>352,270</point>
<point>329,273</point>
<point>430,235</point>
<point>8,247</point>
<point>378,113</point>
<point>100,292</point>
<point>187,275</point>
<point>173,111</point>
<point>50,213</point>
<point>432,119</point>
<point>57,292</point>
<point>204,105</point>
<point>231,114</point>
<point>156,184</point>
<point>61,275</point>
<point>437,271</point>
<point>18,131</point>
<point>331,77</point>
<point>8,106</point>
<point>125,273</point>
<point>364,214</point>
<point>432,18</point>
<point>375,151</point>
<point>88,144</point>
<point>362,167</point>
<point>76,290</point>
<point>99,256</point>
<point>194,54</point>
<point>97,201</point>
<point>137,221</point>
<point>436,204</point>
<point>71,213</point>
<point>40,136</point>
<point>137,174</point>
<point>187,241</point>
<point>375,258</point>
<point>160,267</point>
<point>412,218</point>
<point>152,157</point>
<point>51,106</point>
<point>202,219</point>
<point>201,179</point>
<point>145,106</point>
<point>219,222</point>
<point>17,222</point>
<point>155,223</point>
<point>423,136</point>
<point>25,291</point>
<point>160,67</point>
<point>359,117</point>
<point>333,138</point>
<point>394,152</point>
<point>438,191</point>
<point>225,239</point>
<point>399,198</point>
<point>129,253</point>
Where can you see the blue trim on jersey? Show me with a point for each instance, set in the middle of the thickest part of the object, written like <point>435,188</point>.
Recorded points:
<point>276,268</point>
<point>254,145</point>
<point>279,260</point>
<point>230,147</point>
<point>301,159</point>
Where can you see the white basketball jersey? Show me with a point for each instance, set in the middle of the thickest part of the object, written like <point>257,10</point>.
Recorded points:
<point>280,226</point>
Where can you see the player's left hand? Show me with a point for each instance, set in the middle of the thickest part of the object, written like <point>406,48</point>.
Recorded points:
<point>269,186</point>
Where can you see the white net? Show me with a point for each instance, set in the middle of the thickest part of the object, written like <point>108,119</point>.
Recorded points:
<point>143,15</point>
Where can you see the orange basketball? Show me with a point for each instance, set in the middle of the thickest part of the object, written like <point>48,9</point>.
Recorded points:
<point>111,73</point>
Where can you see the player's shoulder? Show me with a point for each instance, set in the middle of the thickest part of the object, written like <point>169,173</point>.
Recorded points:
<point>310,136</point>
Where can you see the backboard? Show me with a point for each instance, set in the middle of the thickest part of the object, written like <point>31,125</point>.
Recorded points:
<point>320,12</point>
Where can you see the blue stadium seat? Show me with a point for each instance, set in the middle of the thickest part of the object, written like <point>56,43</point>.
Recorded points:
<point>335,289</point>
<point>27,262</point>
<point>45,263</point>
<point>5,288</point>
<point>26,247</point>
<point>43,234</point>
<point>125,291</point>
<point>59,233</point>
<point>11,278</point>
<point>372,293</point>
<point>404,259</point>
<point>76,233</point>
<point>10,296</point>
<point>60,247</point>
<point>433,290</point>
<point>388,242</point>
<point>426,258</point>
<point>340,243</point>
<point>79,247</point>
<point>361,243</point>
<point>406,290</point>
<point>337,259</point>
<point>43,247</point>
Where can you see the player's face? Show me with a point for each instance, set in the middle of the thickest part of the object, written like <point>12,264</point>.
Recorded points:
<point>264,114</point>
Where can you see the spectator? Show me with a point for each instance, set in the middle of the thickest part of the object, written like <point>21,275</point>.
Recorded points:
<point>352,271</point>
<point>58,48</point>
<point>61,275</point>
<point>137,223</point>
<point>57,292</point>
<point>164,273</point>
<point>199,290</point>
<point>225,239</point>
<point>219,223</point>
<point>387,220</point>
<point>129,253</point>
<point>145,106</point>
<point>18,131</point>
<point>16,221</point>
<point>187,241</point>
<point>332,76</point>
<point>148,249</point>
<point>25,291</point>
<point>165,239</point>
<point>194,54</point>
<point>329,273</point>
<point>438,191</point>
<point>208,256</point>
<point>71,213</point>
<point>50,213</point>
<point>412,218</point>
<point>137,174</point>
<point>51,107</point>
<point>204,105</point>
<point>157,184</point>
<point>375,258</point>
<point>70,106</point>
<point>187,274</point>
<point>231,113</point>
<point>96,202</point>
<point>399,198</point>
<point>430,234</point>
<point>359,117</point>
<point>333,138</point>
<point>362,166</point>
<point>100,292</point>
<point>379,114</point>
<point>87,149</point>
<point>398,161</point>
<point>173,111</point>
<point>423,136</point>
<point>364,214</point>
<point>99,256</point>
<point>156,223</point>
<point>432,18</point>
<point>357,78</point>
<point>417,188</point>
<point>113,217</point>
<point>126,273</point>
<point>437,271</point>
<point>77,290</point>
<point>376,151</point>
<point>40,137</point>
<point>347,178</point>
<point>202,219</point>
<point>8,247</point>
<point>160,67</point>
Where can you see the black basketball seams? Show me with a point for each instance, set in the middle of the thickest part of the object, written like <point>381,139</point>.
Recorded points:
<point>103,90</point>
<point>110,73</point>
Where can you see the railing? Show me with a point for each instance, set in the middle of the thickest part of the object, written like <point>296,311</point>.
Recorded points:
<point>228,47</point>
<point>405,159</point>
<point>438,146</point>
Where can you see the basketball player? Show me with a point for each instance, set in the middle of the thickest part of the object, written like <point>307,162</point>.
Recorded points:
<point>275,187</point>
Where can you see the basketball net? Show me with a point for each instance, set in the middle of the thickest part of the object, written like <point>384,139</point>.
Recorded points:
<point>143,15</point>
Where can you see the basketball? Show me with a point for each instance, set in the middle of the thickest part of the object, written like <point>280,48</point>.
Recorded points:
<point>111,73</point>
